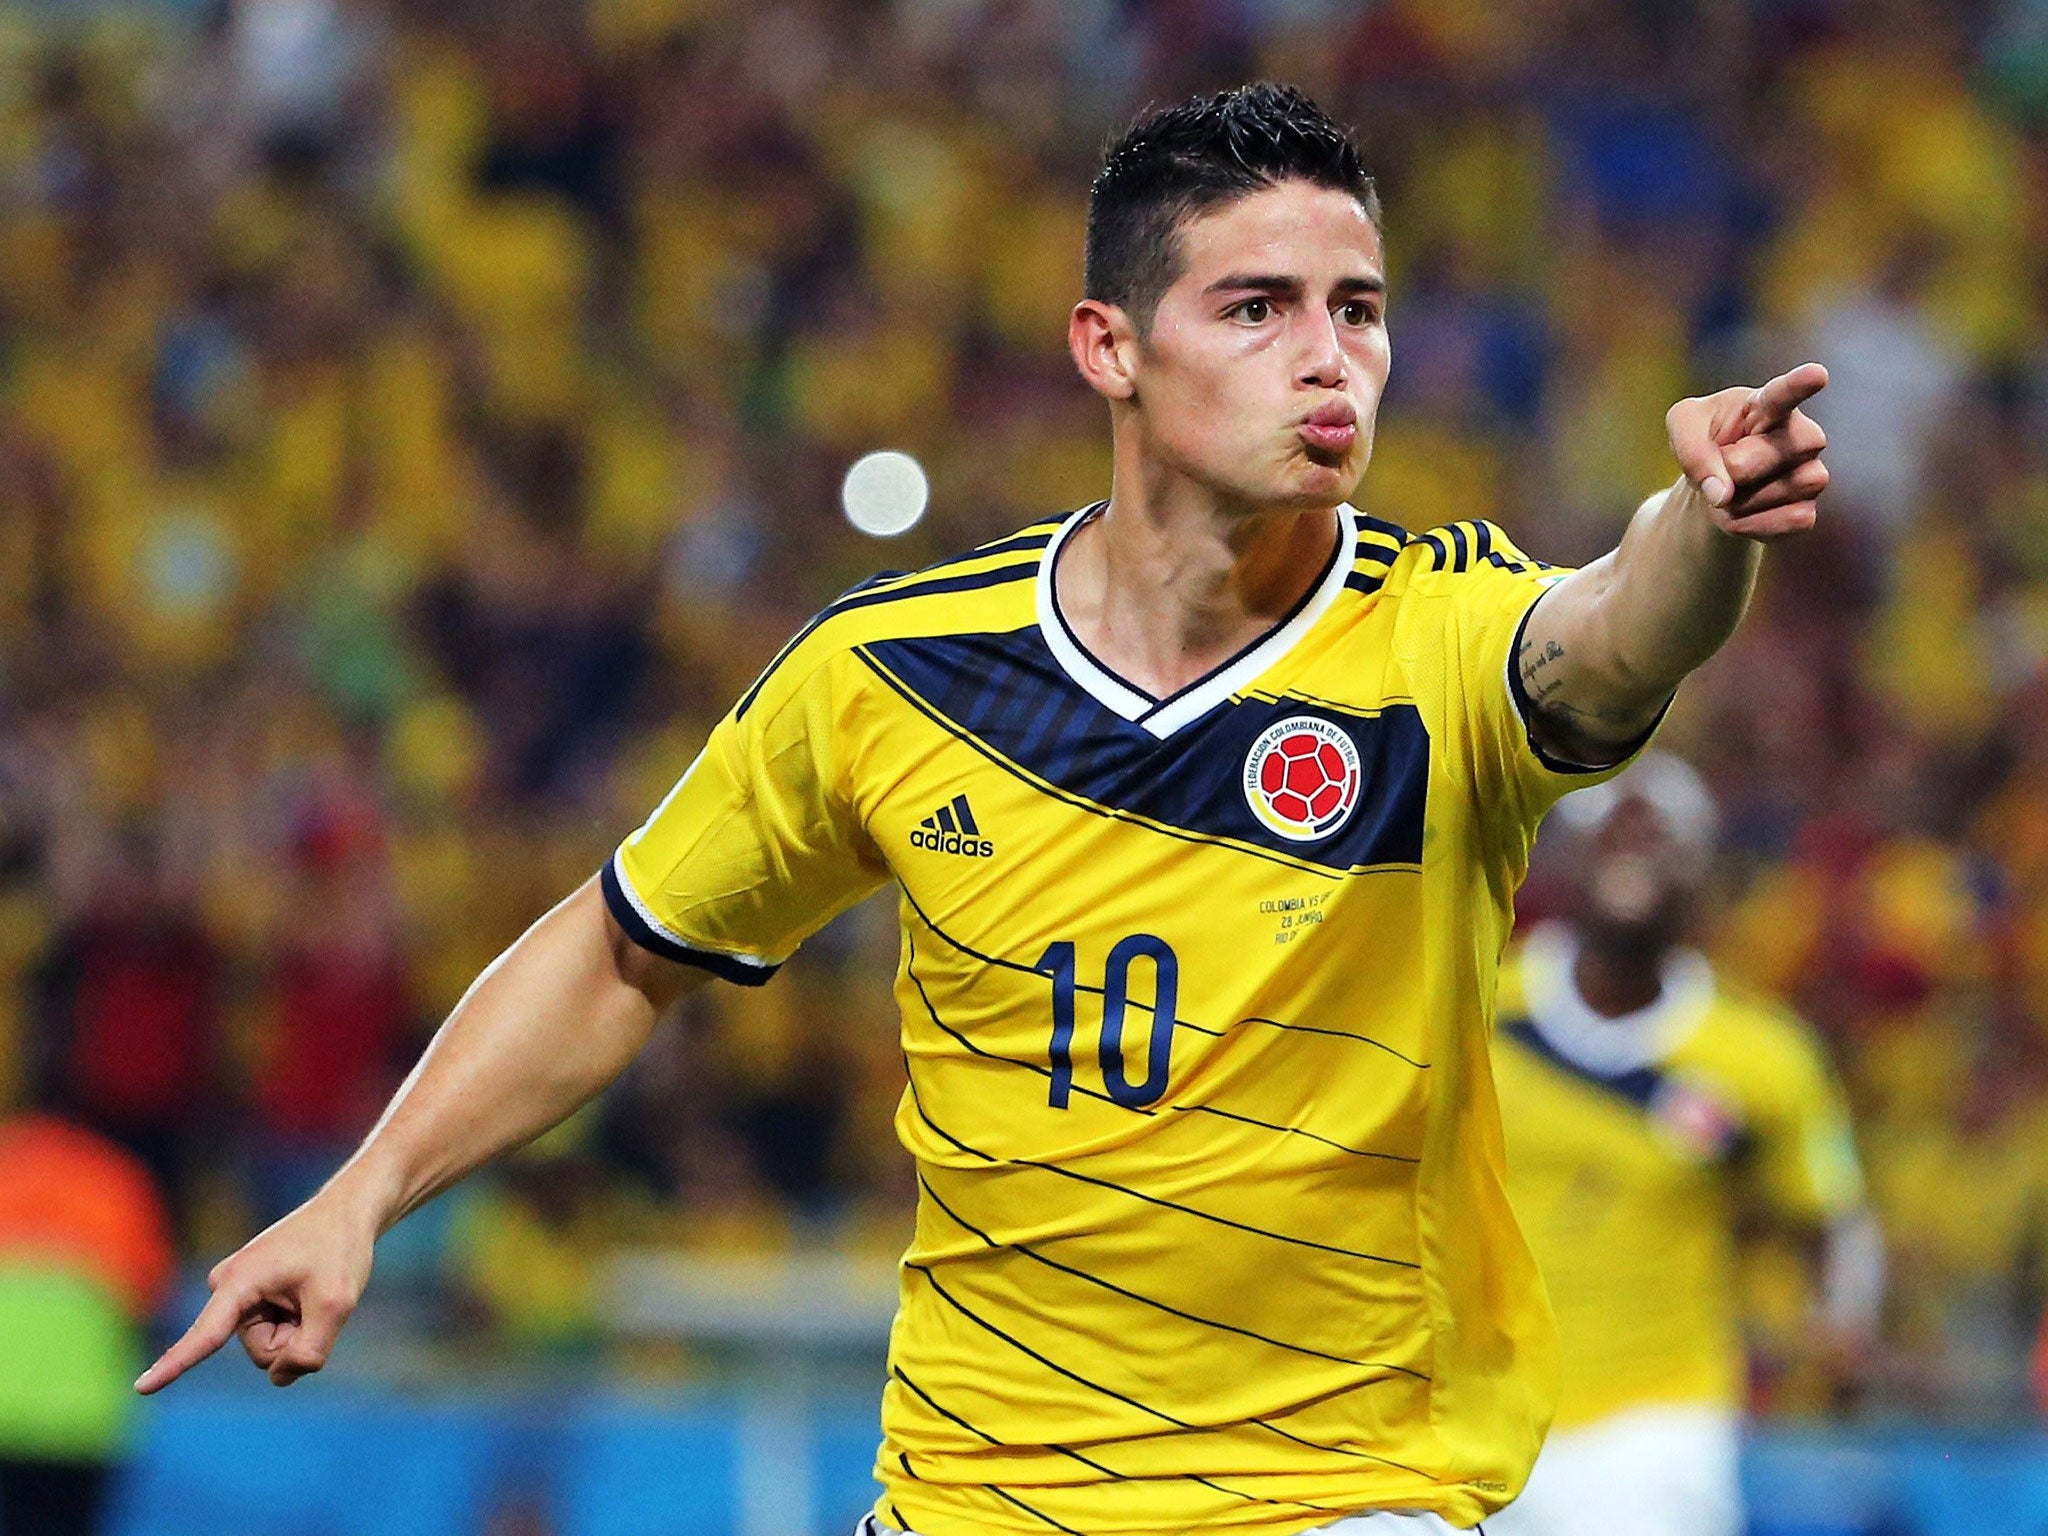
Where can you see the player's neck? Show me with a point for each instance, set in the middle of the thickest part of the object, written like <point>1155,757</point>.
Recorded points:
<point>1615,983</point>
<point>1168,584</point>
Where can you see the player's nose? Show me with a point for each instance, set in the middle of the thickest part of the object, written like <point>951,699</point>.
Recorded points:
<point>1321,364</point>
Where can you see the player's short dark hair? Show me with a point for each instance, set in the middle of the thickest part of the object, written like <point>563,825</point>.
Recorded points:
<point>1174,162</point>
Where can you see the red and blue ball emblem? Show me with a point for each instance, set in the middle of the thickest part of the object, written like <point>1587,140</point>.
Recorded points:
<point>1301,778</point>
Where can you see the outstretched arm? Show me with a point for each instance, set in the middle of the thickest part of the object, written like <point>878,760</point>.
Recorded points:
<point>554,1019</point>
<point>1606,647</point>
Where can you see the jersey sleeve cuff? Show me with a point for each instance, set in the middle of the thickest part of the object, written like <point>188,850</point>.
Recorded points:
<point>1526,708</point>
<point>645,930</point>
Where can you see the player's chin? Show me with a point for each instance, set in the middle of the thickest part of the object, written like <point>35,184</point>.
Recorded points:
<point>1319,479</point>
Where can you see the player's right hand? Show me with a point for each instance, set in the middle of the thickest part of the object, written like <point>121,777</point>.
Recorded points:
<point>286,1292</point>
<point>1754,455</point>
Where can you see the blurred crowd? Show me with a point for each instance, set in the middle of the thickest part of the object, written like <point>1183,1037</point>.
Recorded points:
<point>420,418</point>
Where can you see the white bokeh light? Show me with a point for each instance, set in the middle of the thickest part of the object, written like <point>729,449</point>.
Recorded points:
<point>885,493</point>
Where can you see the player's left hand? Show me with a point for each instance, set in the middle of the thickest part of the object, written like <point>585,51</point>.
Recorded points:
<point>1753,456</point>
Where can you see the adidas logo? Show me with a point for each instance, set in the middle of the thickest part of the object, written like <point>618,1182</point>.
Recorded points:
<point>951,829</point>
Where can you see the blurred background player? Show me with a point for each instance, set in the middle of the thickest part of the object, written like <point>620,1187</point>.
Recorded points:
<point>85,1257</point>
<point>1652,1113</point>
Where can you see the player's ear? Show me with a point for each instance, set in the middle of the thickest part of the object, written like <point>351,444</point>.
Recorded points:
<point>1104,344</point>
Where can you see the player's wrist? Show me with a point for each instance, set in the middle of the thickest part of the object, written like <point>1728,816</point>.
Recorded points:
<point>368,1195</point>
<point>1684,499</point>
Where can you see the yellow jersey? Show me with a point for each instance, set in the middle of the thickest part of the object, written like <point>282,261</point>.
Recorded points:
<point>1195,995</point>
<point>1631,1144</point>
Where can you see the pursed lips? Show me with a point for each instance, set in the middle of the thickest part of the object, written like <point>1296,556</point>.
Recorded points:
<point>1333,428</point>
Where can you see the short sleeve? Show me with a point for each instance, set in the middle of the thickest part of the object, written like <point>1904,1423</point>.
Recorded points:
<point>756,847</point>
<point>1805,1165</point>
<point>1476,592</point>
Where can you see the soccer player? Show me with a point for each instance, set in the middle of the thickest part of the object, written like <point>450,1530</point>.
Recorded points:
<point>1206,804</point>
<point>1651,1112</point>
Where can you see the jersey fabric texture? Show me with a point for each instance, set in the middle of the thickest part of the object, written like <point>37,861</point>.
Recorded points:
<point>1195,994</point>
<point>1627,1166</point>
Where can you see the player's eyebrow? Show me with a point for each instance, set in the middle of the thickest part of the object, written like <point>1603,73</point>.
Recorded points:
<point>1254,282</point>
<point>1283,287</point>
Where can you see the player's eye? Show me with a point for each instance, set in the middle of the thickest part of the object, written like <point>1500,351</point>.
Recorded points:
<point>1251,311</point>
<point>1358,312</point>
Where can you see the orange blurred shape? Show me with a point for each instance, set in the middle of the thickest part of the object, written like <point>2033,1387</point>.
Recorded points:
<point>74,1197</point>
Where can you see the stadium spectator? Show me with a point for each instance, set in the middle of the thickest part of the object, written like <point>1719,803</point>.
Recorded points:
<point>128,1002</point>
<point>85,1260</point>
<point>339,1005</point>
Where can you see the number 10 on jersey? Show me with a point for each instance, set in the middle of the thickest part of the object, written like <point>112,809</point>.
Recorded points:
<point>1058,963</point>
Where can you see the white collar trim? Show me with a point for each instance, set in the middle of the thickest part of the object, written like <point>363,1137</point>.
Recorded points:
<point>1162,717</point>
<point>1610,1046</point>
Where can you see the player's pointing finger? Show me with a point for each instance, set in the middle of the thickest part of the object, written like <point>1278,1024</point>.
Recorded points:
<point>213,1327</point>
<point>1777,400</point>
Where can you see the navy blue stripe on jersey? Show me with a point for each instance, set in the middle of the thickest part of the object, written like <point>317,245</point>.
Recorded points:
<point>1340,1034</point>
<point>1007,693</point>
<point>980,1433</point>
<point>1464,552</point>
<point>1335,1450</point>
<point>931,1009</point>
<point>1036,1514</point>
<point>1642,1087</point>
<point>965,813</point>
<point>1109,1472</point>
<point>1371,562</point>
<point>917,1103</point>
<point>964,1310</point>
<point>1439,548</point>
<point>1054,1366</point>
<point>1025,1250</point>
<point>649,938</point>
<point>865,596</point>
<point>1639,1087</point>
<point>1526,708</point>
<point>1179,1023</point>
<point>1016,544</point>
<point>1383,528</point>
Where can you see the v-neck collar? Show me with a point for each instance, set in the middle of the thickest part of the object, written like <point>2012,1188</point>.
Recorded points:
<point>1162,717</point>
<point>1610,1046</point>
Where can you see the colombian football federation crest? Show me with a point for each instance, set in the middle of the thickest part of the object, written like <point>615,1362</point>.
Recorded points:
<point>1301,778</point>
